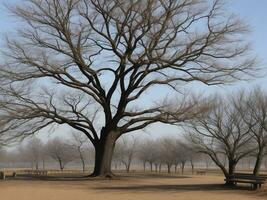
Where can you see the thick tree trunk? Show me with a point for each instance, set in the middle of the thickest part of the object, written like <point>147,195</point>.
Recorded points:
<point>222,167</point>
<point>232,165</point>
<point>231,171</point>
<point>257,167</point>
<point>103,156</point>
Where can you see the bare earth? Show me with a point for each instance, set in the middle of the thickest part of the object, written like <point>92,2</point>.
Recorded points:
<point>138,187</point>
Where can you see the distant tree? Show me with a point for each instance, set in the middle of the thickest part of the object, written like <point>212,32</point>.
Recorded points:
<point>71,56</point>
<point>125,151</point>
<point>147,153</point>
<point>167,151</point>
<point>79,142</point>
<point>36,151</point>
<point>182,153</point>
<point>32,151</point>
<point>61,152</point>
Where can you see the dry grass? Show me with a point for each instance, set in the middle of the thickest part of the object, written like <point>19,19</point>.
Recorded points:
<point>131,187</point>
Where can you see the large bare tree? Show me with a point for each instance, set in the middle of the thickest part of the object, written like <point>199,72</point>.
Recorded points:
<point>89,64</point>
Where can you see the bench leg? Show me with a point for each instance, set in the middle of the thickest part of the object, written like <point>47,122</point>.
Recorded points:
<point>254,186</point>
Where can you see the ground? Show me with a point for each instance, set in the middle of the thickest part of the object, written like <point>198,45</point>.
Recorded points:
<point>133,187</point>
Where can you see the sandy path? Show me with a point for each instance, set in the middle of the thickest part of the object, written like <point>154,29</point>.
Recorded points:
<point>131,188</point>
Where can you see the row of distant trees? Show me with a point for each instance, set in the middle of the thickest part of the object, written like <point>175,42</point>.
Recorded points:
<point>167,152</point>
<point>38,153</point>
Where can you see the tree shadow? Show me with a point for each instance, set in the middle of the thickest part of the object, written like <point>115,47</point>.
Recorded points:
<point>154,175</point>
<point>172,188</point>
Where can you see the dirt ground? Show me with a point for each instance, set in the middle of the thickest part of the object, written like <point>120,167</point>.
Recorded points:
<point>141,187</point>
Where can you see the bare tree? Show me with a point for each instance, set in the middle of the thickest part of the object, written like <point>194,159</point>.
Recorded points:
<point>61,152</point>
<point>222,132</point>
<point>32,151</point>
<point>101,57</point>
<point>36,146</point>
<point>167,151</point>
<point>253,109</point>
<point>182,153</point>
<point>147,153</point>
<point>79,142</point>
<point>125,151</point>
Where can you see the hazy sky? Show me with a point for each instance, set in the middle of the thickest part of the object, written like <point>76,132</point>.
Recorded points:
<point>252,11</point>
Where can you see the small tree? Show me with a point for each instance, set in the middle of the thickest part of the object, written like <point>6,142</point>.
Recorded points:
<point>147,153</point>
<point>167,151</point>
<point>61,152</point>
<point>32,151</point>
<point>125,151</point>
<point>79,142</point>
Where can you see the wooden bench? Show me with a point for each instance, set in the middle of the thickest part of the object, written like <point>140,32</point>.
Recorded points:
<point>2,175</point>
<point>36,172</point>
<point>255,181</point>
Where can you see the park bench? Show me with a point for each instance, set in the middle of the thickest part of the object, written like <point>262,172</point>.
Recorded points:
<point>2,175</point>
<point>254,181</point>
<point>36,172</point>
<point>201,172</point>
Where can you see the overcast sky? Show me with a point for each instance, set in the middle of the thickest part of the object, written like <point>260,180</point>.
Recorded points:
<point>252,11</point>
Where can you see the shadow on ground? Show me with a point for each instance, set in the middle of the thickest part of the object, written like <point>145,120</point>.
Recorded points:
<point>168,188</point>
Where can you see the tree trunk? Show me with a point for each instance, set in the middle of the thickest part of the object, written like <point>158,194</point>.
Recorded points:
<point>103,156</point>
<point>128,168</point>
<point>156,167</point>
<point>151,166</point>
<point>231,171</point>
<point>159,168</point>
<point>182,167</point>
<point>144,165</point>
<point>192,166</point>
<point>61,166</point>
<point>257,167</point>
<point>175,168</point>
<point>83,165</point>
<point>128,165</point>
<point>43,164</point>
<point>232,165</point>
<point>169,168</point>
<point>36,165</point>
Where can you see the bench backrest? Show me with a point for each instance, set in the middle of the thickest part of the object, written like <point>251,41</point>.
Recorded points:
<point>247,176</point>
